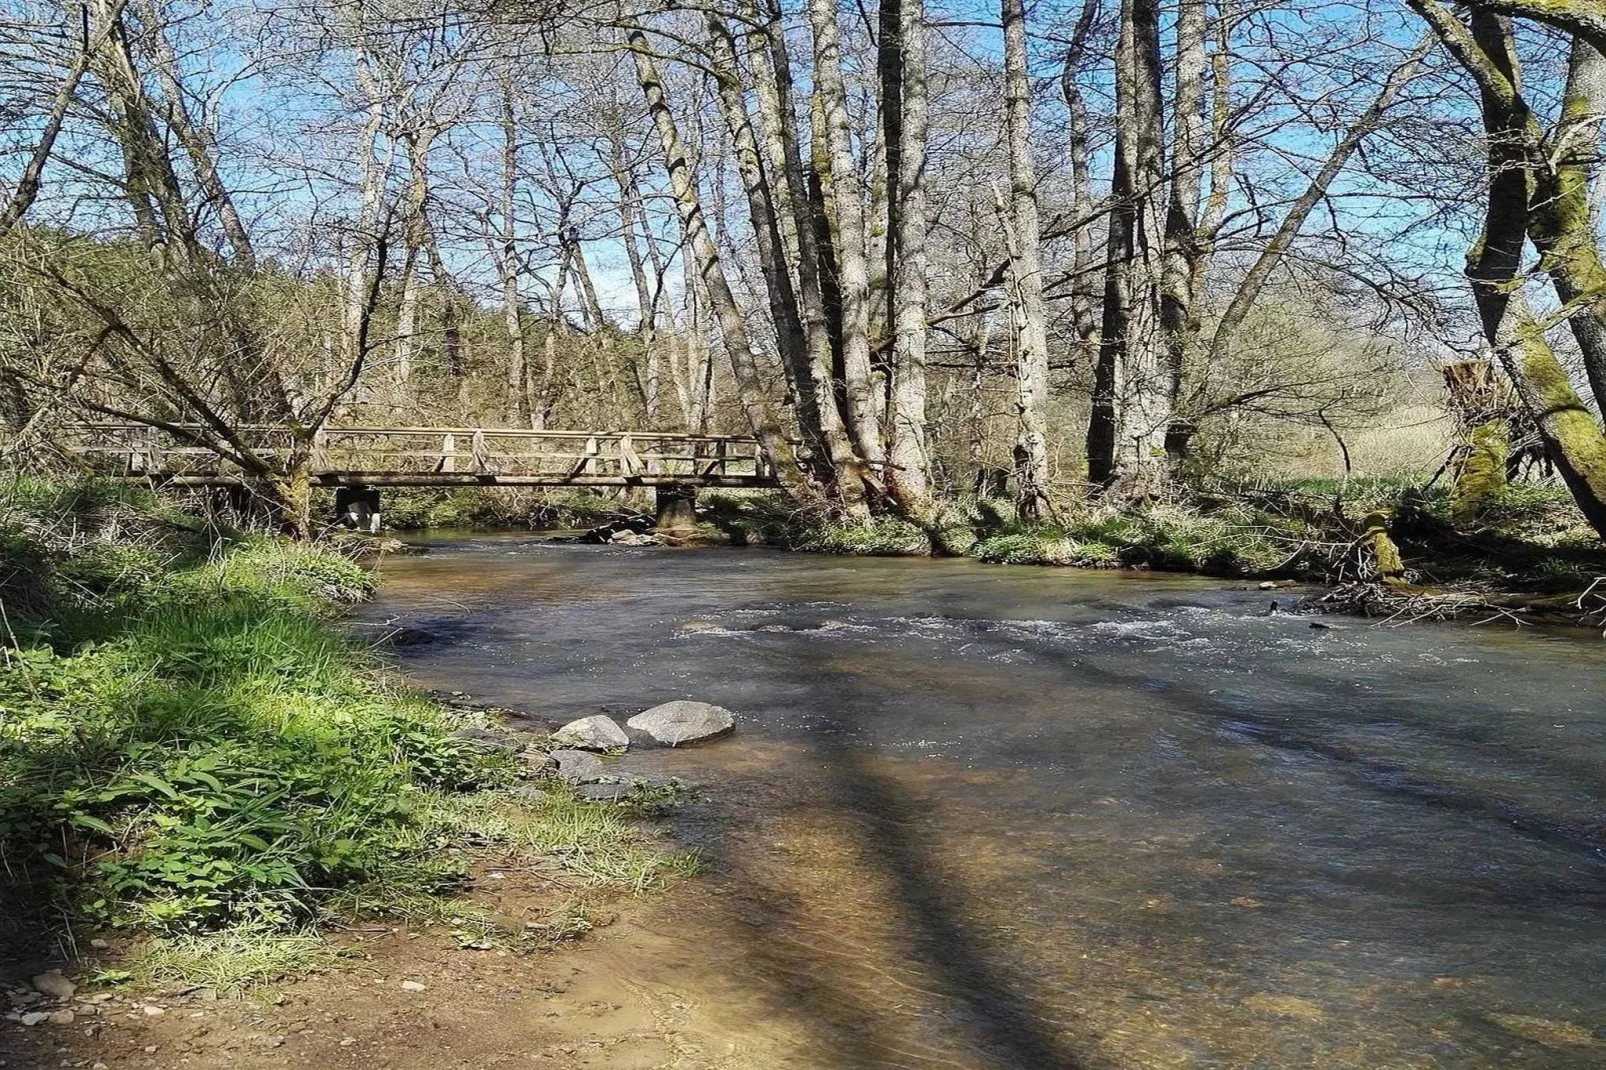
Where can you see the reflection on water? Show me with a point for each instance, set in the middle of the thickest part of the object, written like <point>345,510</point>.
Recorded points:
<point>990,817</point>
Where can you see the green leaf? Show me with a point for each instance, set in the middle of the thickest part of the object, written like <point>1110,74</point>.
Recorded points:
<point>154,781</point>
<point>95,824</point>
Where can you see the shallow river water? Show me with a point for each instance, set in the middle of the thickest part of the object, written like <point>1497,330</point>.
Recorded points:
<point>998,817</point>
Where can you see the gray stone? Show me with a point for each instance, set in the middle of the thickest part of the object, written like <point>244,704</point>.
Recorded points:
<point>54,985</point>
<point>602,792</point>
<point>674,723</point>
<point>489,739</point>
<point>35,1017</point>
<point>578,767</point>
<point>592,733</point>
<point>537,763</point>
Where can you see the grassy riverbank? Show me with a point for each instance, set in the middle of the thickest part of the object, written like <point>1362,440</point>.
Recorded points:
<point>198,768</point>
<point>1533,548</point>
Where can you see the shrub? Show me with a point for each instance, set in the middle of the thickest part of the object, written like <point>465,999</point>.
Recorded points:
<point>881,537</point>
<point>1045,546</point>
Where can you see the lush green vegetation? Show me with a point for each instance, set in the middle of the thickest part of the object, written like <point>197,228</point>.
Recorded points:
<point>1533,538</point>
<point>188,748</point>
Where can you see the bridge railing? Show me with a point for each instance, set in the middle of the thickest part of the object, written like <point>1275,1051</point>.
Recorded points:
<point>440,456</point>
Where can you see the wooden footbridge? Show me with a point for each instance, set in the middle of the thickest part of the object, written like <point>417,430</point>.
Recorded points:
<point>432,456</point>
<point>359,460</point>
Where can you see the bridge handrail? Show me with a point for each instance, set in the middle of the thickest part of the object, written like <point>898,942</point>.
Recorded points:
<point>500,432</point>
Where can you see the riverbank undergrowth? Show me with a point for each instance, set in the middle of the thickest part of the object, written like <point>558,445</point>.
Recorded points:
<point>1533,541</point>
<point>191,755</point>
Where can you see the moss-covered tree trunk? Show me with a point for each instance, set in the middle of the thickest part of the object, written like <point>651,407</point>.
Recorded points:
<point>291,493</point>
<point>1481,403</point>
<point>1572,437</point>
<point>1562,218</point>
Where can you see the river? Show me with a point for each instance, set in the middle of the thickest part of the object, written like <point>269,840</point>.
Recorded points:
<point>1018,818</point>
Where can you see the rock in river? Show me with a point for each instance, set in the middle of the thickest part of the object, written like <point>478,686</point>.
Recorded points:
<point>675,723</point>
<point>577,767</point>
<point>591,733</point>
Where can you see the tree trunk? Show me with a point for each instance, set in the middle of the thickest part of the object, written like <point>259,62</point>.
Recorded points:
<point>151,184</point>
<point>1572,438</point>
<point>195,138</point>
<point>772,70</point>
<point>845,211</point>
<point>1024,245</point>
<point>364,239</point>
<point>1581,18</point>
<point>1481,403</point>
<point>1131,403</point>
<point>1179,322</point>
<point>904,111</point>
<point>418,144</point>
<point>507,263</point>
<point>1561,223</point>
<point>699,351</point>
<point>733,324</point>
<point>1084,297</point>
<point>646,300</point>
<point>767,237</point>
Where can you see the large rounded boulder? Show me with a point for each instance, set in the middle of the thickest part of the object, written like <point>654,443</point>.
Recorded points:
<point>675,723</point>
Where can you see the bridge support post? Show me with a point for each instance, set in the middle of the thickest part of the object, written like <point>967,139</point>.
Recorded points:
<point>358,508</point>
<point>677,507</point>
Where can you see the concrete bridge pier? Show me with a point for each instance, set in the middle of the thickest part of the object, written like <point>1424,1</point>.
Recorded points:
<point>676,507</point>
<point>358,508</point>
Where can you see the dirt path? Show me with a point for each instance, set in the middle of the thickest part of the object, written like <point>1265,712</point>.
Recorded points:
<point>610,999</point>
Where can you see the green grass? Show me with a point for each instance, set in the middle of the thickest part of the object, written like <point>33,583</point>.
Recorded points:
<point>189,751</point>
<point>242,959</point>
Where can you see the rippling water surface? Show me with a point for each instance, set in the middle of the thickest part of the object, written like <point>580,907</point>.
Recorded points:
<point>992,817</point>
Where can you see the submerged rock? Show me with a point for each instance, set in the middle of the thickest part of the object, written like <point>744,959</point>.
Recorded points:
<point>592,733</point>
<point>577,766</point>
<point>410,636</point>
<point>1548,1031</point>
<point>1283,1006</point>
<point>674,723</point>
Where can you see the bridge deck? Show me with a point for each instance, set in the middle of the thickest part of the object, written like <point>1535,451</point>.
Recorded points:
<point>434,457</point>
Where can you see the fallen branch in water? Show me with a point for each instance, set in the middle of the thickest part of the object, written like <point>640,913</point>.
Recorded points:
<point>1396,605</point>
<point>1399,604</point>
<point>1597,591</point>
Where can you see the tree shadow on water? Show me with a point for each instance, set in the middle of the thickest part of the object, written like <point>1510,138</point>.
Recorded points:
<point>971,1011</point>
